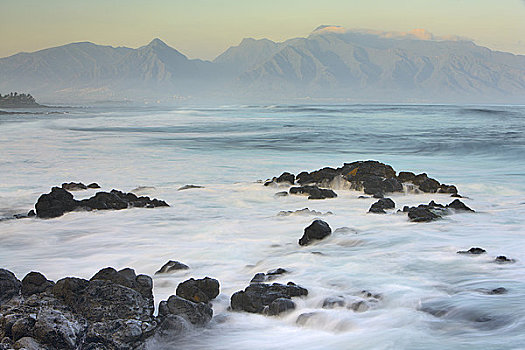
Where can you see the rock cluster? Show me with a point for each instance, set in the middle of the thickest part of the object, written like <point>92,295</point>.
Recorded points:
<point>112,310</point>
<point>433,211</point>
<point>59,201</point>
<point>372,177</point>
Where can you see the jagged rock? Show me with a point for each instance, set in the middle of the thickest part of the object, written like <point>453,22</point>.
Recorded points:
<point>473,251</point>
<point>459,206</point>
<point>317,230</point>
<point>10,286</point>
<point>201,290</point>
<point>172,266</point>
<point>34,283</point>
<point>382,204</point>
<point>188,187</point>
<point>74,186</point>
<point>195,313</point>
<point>60,201</point>
<point>313,192</point>
<point>284,177</point>
<point>257,297</point>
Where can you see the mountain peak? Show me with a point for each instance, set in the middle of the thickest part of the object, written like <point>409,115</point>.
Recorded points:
<point>157,43</point>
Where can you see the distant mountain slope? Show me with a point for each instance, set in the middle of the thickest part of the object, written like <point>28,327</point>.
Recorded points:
<point>331,63</point>
<point>358,64</point>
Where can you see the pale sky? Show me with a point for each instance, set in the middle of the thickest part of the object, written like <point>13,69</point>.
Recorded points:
<point>205,28</point>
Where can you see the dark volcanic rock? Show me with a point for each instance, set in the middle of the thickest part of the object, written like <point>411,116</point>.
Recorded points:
<point>280,305</point>
<point>201,290</point>
<point>257,297</point>
<point>10,286</point>
<point>112,311</point>
<point>55,203</point>
<point>34,283</point>
<point>448,189</point>
<point>60,201</point>
<point>74,186</point>
<point>188,187</point>
<point>196,313</point>
<point>473,251</point>
<point>417,214</point>
<point>459,206</point>
<point>502,259</point>
<point>406,176</point>
<point>268,276</point>
<point>429,185</point>
<point>172,266</point>
<point>93,185</point>
<point>316,231</point>
<point>313,192</point>
<point>382,204</point>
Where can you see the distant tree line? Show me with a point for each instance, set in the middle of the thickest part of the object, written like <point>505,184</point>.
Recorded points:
<point>16,99</point>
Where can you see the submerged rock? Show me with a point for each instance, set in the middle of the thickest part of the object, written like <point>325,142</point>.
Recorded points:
<point>258,297</point>
<point>172,266</point>
<point>502,259</point>
<point>304,211</point>
<point>195,313</point>
<point>59,201</point>
<point>188,187</point>
<point>317,230</point>
<point>473,251</point>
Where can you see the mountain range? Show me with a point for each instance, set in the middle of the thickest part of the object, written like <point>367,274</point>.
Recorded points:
<point>331,64</point>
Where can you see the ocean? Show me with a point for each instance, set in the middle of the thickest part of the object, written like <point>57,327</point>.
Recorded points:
<point>230,229</point>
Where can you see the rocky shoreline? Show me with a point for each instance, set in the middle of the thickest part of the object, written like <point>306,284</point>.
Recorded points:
<point>116,309</point>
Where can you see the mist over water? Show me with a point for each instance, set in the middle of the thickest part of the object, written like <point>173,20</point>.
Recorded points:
<point>230,229</point>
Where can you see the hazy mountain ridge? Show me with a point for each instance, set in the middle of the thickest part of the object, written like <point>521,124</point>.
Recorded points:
<point>330,63</point>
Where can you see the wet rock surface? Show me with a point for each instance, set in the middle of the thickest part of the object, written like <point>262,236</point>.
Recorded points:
<point>317,230</point>
<point>473,251</point>
<point>172,266</point>
<point>313,192</point>
<point>59,201</point>
<point>268,276</point>
<point>264,298</point>
<point>112,310</point>
<point>199,290</point>
<point>189,187</point>
<point>433,211</point>
<point>304,211</point>
<point>382,204</point>
<point>372,177</point>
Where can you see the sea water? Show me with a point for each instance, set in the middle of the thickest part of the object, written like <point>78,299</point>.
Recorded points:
<point>230,229</point>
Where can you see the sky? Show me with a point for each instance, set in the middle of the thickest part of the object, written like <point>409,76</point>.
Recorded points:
<point>205,28</point>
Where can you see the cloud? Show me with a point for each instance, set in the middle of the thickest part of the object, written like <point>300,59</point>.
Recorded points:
<point>415,34</point>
